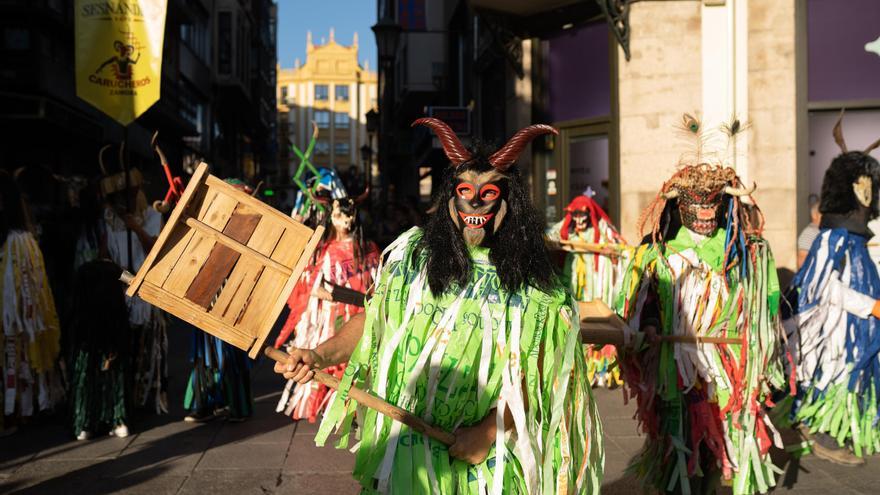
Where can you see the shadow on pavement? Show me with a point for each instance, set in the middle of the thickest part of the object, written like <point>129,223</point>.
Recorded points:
<point>43,459</point>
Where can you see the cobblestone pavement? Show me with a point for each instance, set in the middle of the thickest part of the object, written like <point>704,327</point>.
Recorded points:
<point>271,454</point>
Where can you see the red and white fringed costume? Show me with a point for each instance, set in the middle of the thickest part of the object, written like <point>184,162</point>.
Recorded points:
<point>313,320</point>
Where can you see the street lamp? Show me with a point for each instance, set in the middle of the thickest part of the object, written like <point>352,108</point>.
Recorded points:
<point>367,162</point>
<point>366,156</point>
<point>387,37</point>
<point>372,121</point>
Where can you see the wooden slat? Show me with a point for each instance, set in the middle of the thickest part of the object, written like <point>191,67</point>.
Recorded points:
<point>180,237</point>
<point>195,183</point>
<point>198,249</point>
<point>252,202</point>
<point>246,272</point>
<point>237,246</point>
<point>194,315</point>
<point>265,291</point>
<point>274,309</point>
<point>210,278</point>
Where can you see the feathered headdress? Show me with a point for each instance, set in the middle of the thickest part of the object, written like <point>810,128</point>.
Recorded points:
<point>701,171</point>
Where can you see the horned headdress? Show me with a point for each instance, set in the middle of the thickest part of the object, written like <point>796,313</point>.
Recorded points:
<point>852,180</point>
<point>502,159</point>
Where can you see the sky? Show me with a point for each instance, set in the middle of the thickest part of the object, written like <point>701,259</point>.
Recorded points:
<point>295,17</point>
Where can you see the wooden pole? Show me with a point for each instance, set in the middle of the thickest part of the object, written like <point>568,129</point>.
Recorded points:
<point>369,400</point>
<point>601,326</point>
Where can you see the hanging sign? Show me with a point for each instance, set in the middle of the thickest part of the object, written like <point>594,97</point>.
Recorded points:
<point>119,55</point>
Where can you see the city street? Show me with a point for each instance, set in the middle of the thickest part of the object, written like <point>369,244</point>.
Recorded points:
<point>271,454</point>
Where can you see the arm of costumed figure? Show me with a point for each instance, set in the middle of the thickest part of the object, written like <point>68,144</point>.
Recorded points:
<point>851,300</point>
<point>339,349</point>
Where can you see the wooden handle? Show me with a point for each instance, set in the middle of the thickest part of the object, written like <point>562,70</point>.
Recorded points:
<point>373,402</point>
<point>601,326</point>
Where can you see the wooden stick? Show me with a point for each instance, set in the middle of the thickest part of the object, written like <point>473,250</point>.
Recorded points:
<point>237,246</point>
<point>369,400</point>
<point>592,247</point>
<point>601,326</point>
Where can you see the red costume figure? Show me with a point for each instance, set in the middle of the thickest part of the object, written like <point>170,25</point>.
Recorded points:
<point>343,259</point>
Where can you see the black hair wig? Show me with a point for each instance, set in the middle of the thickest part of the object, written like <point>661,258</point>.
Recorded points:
<point>517,249</point>
<point>837,185</point>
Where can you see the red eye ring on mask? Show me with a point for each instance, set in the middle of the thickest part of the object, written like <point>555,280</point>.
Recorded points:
<point>465,191</point>
<point>490,192</point>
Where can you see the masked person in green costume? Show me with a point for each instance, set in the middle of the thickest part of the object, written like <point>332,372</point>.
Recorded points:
<point>702,288</point>
<point>471,329</point>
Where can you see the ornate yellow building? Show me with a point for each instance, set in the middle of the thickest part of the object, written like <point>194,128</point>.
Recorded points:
<point>333,90</point>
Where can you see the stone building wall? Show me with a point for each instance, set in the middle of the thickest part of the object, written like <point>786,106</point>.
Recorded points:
<point>663,79</point>
<point>773,117</point>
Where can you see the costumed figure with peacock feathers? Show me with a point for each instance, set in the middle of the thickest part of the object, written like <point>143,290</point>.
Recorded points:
<point>702,293</point>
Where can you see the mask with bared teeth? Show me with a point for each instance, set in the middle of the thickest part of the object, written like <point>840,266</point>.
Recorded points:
<point>699,191</point>
<point>479,200</point>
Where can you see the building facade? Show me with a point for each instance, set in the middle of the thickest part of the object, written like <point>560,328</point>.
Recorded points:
<point>335,91</point>
<point>615,78</point>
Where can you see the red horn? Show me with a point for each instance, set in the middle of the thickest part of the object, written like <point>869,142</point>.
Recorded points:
<point>362,196</point>
<point>507,155</point>
<point>455,151</point>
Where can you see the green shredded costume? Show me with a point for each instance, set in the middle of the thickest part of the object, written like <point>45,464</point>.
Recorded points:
<point>448,359</point>
<point>704,407</point>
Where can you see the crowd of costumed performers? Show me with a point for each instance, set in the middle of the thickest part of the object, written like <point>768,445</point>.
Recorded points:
<point>130,229</point>
<point>344,264</point>
<point>835,334</point>
<point>595,256</point>
<point>703,296</point>
<point>30,339</point>
<point>468,328</point>
<point>219,384</point>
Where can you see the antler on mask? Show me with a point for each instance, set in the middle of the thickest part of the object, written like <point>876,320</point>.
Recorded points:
<point>838,133</point>
<point>455,151</point>
<point>507,155</point>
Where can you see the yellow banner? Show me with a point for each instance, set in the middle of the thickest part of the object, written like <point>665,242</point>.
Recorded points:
<point>119,55</point>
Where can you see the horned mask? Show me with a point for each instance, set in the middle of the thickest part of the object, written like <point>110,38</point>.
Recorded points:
<point>479,200</point>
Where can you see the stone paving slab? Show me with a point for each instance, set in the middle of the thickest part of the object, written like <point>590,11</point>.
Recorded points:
<point>262,429</point>
<point>245,481</point>
<point>305,458</point>
<point>244,455</point>
<point>318,484</point>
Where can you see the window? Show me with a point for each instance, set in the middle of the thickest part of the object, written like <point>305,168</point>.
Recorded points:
<point>321,92</point>
<point>195,36</point>
<point>322,147</point>
<point>322,118</point>
<point>284,94</point>
<point>341,149</point>
<point>341,92</point>
<point>224,48</point>
<point>341,120</point>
